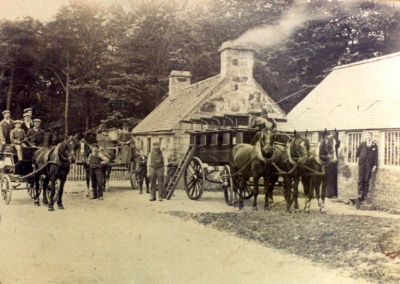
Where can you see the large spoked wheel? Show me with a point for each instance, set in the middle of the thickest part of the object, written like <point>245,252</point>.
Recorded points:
<point>227,185</point>
<point>6,188</point>
<point>48,192</point>
<point>30,185</point>
<point>133,176</point>
<point>248,191</point>
<point>194,179</point>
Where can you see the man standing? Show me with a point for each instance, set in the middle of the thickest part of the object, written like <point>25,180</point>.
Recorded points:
<point>257,111</point>
<point>155,167</point>
<point>95,161</point>
<point>171,167</point>
<point>17,137</point>
<point>142,171</point>
<point>6,125</point>
<point>367,154</point>
<point>35,135</point>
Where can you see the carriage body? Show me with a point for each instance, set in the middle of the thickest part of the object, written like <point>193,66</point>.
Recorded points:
<point>12,172</point>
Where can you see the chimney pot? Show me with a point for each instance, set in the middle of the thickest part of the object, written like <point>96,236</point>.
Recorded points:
<point>237,59</point>
<point>178,80</point>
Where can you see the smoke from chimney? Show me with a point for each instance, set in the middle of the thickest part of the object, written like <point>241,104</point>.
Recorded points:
<point>264,36</point>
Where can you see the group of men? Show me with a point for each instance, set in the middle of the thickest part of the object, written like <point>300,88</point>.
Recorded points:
<point>19,133</point>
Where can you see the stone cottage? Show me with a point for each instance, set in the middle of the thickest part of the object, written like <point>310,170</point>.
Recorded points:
<point>355,98</point>
<point>225,93</point>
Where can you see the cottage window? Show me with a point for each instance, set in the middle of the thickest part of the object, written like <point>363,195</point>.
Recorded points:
<point>353,141</point>
<point>392,148</point>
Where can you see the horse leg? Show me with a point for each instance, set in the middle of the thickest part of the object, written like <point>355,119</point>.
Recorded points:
<point>308,192</point>
<point>287,184</point>
<point>255,187</point>
<point>36,201</point>
<point>45,188</point>
<point>60,192</point>
<point>323,189</point>
<point>296,194</point>
<point>106,178</point>
<point>53,179</point>
<point>269,196</point>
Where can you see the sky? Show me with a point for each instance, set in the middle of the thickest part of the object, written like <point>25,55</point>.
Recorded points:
<point>43,10</point>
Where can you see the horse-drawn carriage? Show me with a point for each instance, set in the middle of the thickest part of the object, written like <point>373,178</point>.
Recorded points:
<point>225,151</point>
<point>108,142</point>
<point>14,174</point>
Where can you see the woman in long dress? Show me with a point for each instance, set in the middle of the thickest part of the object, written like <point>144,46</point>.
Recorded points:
<point>127,144</point>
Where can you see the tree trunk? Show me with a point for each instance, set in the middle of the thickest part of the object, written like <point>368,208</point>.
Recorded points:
<point>9,90</point>
<point>66,98</point>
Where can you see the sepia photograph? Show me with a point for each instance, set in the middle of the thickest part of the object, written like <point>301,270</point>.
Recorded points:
<point>199,141</point>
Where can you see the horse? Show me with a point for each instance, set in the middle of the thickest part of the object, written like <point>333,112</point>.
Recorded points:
<point>53,164</point>
<point>321,157</point>
<point>290,154</point>
<point>83,152</point>
<point>252,161</point>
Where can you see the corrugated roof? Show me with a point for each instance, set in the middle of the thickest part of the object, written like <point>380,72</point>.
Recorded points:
<point>173,109</point>
<point>361,95</point>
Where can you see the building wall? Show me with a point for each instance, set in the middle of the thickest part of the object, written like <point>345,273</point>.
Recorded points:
<point>384,185</point>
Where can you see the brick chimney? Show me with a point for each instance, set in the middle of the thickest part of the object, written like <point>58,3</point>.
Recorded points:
<point>178,80</point>
<point>237,60</point>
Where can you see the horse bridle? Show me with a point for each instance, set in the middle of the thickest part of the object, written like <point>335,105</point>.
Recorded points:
<point>265,159</point>
<point>328,156</point>
<point>292,160</point>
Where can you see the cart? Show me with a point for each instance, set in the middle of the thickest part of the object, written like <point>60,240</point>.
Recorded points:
<point>209,154</point>
<point>15,174</point>
<point>108,141</point>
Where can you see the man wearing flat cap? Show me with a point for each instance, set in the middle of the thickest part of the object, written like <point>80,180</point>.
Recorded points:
<point>156,169</point>
<point>17,137</point>
<point>35,135</point>
<point>6,125</point>
<point>27,123</point>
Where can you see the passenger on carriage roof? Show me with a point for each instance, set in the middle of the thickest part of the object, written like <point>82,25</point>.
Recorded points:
<point>258,113</point>
<point>18,136</point>
<point>6,125</point>
<point>127,145</point>
<point>35,135</point>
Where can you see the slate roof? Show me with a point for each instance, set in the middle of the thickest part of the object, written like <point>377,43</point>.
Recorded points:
<point>173,109</point>
<point>357,96</point>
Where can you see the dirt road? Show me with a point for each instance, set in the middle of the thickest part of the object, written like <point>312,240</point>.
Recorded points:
<point>127,239</point>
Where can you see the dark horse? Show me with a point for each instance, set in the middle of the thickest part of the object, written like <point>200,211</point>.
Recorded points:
<point>252,161</point>
<point>53,164</point>
<point>83,152</point>
<point>290,154</point>
<point>322,156</point>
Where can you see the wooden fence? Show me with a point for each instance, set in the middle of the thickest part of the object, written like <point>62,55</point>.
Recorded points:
<point>77,172</point>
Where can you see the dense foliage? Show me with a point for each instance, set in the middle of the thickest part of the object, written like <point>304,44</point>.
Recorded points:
<point>95,61</point>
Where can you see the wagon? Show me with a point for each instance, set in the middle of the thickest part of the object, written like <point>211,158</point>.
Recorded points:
<point>15,174</point>
<point>107,140</point>
<point>209,154</point>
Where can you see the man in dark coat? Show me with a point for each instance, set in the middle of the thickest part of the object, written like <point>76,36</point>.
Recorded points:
<point>6,125</point>
<point>35,135</point>
<point>155,170</point>
<point>27,123</point>
<point>367,154</point>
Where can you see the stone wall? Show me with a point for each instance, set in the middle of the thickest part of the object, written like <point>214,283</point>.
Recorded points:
<point>384,185</point>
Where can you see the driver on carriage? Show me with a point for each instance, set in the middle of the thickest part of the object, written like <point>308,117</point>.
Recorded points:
<point>258,114</point>
<point>35,135</point>
<point>18,137</point>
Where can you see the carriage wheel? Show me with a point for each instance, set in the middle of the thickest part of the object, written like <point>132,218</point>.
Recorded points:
<point>48,191</point>
<point>6,188</point>
<point>194,179</point>
<point>248,191</point>
<point>227,186</point>
<point>133,176</point>
<point>30,185</point>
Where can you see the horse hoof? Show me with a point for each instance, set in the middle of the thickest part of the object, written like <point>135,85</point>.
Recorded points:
<point>255,209</point>
<point>60,207</point>
<point>36,203</point>
<point>51,208</point>
<point>322,211</point>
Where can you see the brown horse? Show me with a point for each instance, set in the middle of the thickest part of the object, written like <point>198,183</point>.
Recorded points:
<point>322,156</point>
<point>252,161</point>
<point>53,164</point>
<point>290,154</point>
